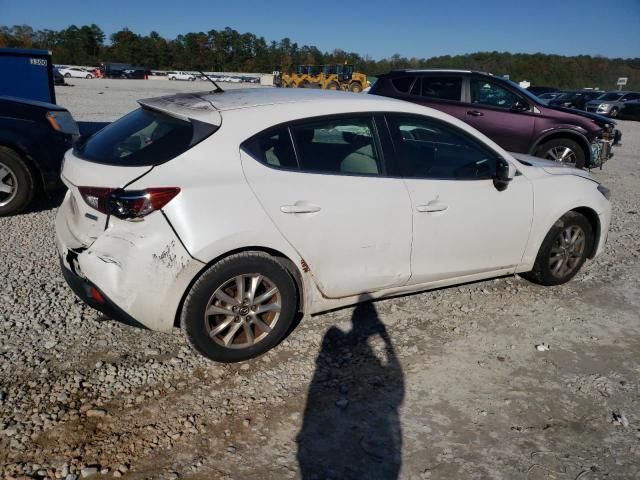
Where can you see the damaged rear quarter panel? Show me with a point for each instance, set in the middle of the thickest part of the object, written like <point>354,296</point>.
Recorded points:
<point>142,267</point>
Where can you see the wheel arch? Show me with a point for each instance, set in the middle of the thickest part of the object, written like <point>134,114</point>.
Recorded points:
<point>594,221</point>
<point>284,260</point>
<point>564,133</point>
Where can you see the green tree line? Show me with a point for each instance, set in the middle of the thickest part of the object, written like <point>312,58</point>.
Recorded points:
<point>230,50</point>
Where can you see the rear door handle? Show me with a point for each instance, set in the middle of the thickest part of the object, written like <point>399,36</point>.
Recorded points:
<point>432,207</point>
<point>475,113</point>
<point>299,208</point>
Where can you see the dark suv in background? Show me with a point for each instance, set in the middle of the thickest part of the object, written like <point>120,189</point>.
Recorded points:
<point>577,99</point>
<point>512,117</point>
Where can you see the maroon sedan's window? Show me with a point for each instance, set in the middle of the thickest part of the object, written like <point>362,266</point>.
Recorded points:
<point>445,88</point>
<point>402,84</point>
<point>491,94</point>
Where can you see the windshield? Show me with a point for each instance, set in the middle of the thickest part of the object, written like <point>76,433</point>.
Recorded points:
<point>611,97</point>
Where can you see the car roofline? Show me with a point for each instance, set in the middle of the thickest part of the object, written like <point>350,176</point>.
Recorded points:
<point>438,70</point>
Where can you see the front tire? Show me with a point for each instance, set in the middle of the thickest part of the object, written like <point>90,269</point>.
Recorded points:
<point>240,307</point>
<point>563,150</point>
<point>563,251</point>
<point>614,112</point>
<point>17,185</point>
<point>67,75</point>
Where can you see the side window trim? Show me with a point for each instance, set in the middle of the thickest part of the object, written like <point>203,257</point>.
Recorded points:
<point>389,118</point>
<point>385,154</point>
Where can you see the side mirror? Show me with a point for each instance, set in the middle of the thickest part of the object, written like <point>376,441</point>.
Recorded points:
<point>520,106</point>
<point>505,172</point>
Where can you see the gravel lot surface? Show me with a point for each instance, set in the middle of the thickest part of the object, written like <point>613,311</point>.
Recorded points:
<point>444,384</point>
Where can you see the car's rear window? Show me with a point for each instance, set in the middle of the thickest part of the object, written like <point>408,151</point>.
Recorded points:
<point>402,84</point>
<point>143,137</point>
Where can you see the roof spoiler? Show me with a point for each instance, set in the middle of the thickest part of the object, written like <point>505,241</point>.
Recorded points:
<point>185,106</point>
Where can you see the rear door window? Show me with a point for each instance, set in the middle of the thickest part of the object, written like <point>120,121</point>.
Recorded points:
<point>445,88</point>
<point>273,148</point>
<point>402,84</point>
<point>338,146</point>
<point>143,137</point>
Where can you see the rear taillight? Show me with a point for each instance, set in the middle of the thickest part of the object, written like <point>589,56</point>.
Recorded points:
<point>96,197</point>
<point>128,204</point>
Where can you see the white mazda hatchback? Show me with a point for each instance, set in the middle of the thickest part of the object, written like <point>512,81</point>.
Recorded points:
<point>231,213</point>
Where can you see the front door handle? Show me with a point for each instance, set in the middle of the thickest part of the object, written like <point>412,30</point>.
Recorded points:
<point>304,208</point>
<point>475,113</point>
<point>432,207</point>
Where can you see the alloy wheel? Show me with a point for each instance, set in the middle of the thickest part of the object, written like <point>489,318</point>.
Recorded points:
<point>561,154</point>
<point>243,311</point>
<point>567,251</point>
<point>8,185</point>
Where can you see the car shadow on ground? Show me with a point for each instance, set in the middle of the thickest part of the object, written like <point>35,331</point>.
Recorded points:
<point>351,427</point>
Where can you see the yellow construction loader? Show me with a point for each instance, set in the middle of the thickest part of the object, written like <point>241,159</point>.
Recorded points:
<point>327,77</point>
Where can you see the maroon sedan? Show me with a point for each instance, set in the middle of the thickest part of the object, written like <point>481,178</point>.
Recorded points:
<point>512,117</point>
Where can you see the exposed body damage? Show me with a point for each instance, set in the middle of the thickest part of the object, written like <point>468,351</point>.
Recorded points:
<point>141,267</point>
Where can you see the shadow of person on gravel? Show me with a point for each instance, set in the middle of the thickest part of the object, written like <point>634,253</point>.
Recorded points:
<point>351,427</point>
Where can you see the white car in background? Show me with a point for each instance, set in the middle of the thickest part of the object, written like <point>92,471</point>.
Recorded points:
<point>229,213</point>
<point>181,76</point>
<point>75,72</point>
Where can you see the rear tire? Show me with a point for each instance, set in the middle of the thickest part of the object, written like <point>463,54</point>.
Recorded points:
<point>88,77</point>
<point>563,150</point>
<point>17,184</point>
<point>563,251</point>
<point>258,327</point>
<point>355,87</point>
<point>333,86</point>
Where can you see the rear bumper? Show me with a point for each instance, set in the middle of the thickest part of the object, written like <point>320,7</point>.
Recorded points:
<point>140,269</point>
<point>82,288</point>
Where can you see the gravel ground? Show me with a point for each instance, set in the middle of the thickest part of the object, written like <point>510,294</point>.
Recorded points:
<point>443,384</point>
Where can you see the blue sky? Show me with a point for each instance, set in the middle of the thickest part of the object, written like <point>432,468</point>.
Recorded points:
<point>421,28</point>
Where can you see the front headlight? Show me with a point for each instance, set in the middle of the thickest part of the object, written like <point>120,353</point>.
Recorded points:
<point>603,106</point>
<point>604,191</point>
<point>63,122</point>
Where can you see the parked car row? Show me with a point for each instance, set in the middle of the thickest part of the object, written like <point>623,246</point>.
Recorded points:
<point>611,104</point>
<point>192,76</point>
